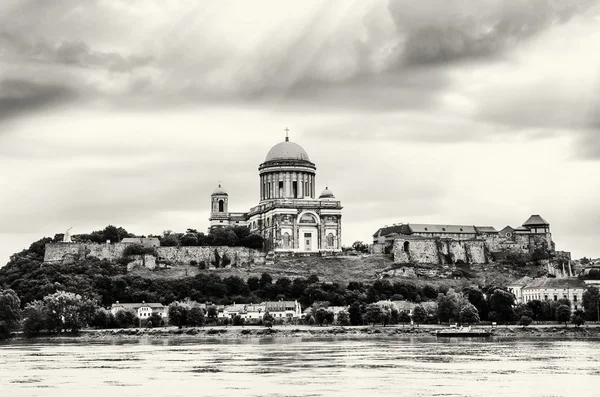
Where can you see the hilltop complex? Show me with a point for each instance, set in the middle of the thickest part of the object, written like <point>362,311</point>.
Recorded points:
<point>288,216</point>
<point>449,244</point>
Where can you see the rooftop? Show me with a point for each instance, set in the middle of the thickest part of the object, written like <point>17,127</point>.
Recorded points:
<point>556,283</point>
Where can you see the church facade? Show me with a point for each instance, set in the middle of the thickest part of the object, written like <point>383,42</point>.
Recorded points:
<point>289,216</point>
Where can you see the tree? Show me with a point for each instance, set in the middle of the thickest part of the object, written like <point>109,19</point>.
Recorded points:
<point>189,240</point>
<point>360,246</point>
<point>343,318</point>
<point>590,303</point>
<point>156,320</point>
<point>323,316</point>
<point>10,312</point>
<point>212,313</point>
<point>373,314</point>
<point>404,317</point>
<point>419,315</point>
<point>469,314</point>
<point>68,311</point>
<point>238,320</point>
<point>563,314</point>
<point>125,319</point>
<point>536,308</point>
<point>448,307</point>
<point>525,321</point>
<point>501,302</point>
<point>268,320</point>
<point>35,314</point>
<point>178,314</point>
<point>195,316</point>
<point>577,320</point>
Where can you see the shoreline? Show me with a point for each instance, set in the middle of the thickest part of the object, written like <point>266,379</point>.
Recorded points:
<point>290,331</point>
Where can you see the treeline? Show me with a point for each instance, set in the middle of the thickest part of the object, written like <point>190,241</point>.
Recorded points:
<point>231,236</point>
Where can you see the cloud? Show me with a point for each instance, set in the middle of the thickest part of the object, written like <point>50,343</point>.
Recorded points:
<point>462,29</point>
<point>22,96</point>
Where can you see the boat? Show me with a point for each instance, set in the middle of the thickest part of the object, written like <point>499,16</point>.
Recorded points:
<point>463,332</point>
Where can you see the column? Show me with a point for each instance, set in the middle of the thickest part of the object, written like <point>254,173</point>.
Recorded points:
<point>301,184</point>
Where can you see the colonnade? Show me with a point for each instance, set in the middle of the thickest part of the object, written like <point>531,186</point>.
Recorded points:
<point>275,185</point>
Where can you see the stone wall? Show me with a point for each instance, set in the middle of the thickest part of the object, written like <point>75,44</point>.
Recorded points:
<point>235,256</point>
<point>439,251</point>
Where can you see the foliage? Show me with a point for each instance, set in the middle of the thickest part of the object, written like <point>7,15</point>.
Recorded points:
<point>268,320</point>
<point>501,303</point>
<point>324,316</point>
<point>469,314</point>
<point>360,246</point>
<point>355,313</point>
<point>238,320</point>
<point>156,320</point>
<point>577,320</point>
<point>35,315</point>
<point>419,315</point>
<point>103,319</point>
<point>373,314</point>
<point>126,319</point>
<point>563,314</point>
<point>525,321</point>
<point>591,299</point>
<point>343,318</point>
<point>448,306</point>
<point>195,316</point>
<point>403,317</point>
<point>10,312</point>
<point>178,314</point>
<point>139,249</point>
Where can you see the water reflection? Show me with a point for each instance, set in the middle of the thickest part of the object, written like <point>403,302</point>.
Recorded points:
<point>300,367</point>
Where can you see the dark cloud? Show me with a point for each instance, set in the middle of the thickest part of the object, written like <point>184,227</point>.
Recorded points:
<point>463,29</point>
<point>22,96</point>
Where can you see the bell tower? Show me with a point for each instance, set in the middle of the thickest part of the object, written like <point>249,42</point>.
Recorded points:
<point>219,203</point>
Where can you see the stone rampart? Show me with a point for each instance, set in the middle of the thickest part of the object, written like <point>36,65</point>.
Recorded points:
<point>209,256</point>
<point>438,251</point>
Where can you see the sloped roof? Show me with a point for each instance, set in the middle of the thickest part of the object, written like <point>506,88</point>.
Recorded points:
<point>280,305</point>
<point>384,231</point>
<point>486,229</point>
<point>427,228</point>
<point>536,220</point>
<point>136,306</point>
<point>523,281</point>
<point>557,283</point>
<point>507,229</point>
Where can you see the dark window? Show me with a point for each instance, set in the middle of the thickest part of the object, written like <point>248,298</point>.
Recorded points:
<point>280,189</point>
<point>406,246</point>
<point>295,189</point>
<point>221,206</point>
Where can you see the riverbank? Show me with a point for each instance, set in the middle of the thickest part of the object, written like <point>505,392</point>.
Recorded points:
<point>315,331</point>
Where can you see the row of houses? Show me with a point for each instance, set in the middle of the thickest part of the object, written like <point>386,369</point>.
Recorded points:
<point>278,309</point>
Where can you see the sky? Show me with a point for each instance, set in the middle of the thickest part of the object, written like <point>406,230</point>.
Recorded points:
<point>130,112</point>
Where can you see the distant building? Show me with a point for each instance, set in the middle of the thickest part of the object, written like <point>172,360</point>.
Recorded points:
<point>255,312</point>
<point>142,310</point>
<point>550,289</point>
<point>449,244</point>
<point>290,216</point>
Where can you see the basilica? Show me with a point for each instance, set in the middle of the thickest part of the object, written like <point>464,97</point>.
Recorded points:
<point>289,216</point>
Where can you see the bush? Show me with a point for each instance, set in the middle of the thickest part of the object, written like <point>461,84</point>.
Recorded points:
<point>238,320</point>
<point>139,249</point>
<point>525,321</point>
<point>577,320</point>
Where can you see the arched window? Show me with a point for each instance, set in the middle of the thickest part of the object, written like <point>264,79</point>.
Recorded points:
<point>221,205</point>
<point>406,246</point>
<point>254,225</point>
<point>330,240</point>
<point>286,240</point>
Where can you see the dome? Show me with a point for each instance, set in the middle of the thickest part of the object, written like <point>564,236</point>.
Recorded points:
<point>287,151</point>
<point>326,194</point>
<point>219,190</point>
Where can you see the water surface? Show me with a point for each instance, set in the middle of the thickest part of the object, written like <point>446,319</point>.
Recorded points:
<point>301,367</point>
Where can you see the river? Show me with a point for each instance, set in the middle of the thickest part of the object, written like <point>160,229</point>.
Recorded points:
<point>301,367</point>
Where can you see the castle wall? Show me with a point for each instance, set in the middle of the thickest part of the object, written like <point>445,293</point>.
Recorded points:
<point>238,256</point>
<point>435,251</point>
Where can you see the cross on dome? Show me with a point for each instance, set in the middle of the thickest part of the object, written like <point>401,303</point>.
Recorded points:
<point>287,138</point>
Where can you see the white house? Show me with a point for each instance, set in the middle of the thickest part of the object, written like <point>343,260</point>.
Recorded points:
<point>142,310</point>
